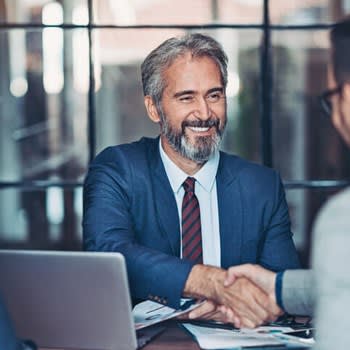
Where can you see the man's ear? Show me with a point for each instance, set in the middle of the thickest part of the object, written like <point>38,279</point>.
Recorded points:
<point>151,109</point>
<point>346,91</point>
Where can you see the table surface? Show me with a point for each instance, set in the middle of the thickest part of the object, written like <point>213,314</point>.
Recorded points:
<point>176,338</point>
<point>173,338</point>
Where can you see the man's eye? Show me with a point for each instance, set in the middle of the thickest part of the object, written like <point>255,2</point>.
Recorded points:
<point>186,98</point>
<point>214,97</point>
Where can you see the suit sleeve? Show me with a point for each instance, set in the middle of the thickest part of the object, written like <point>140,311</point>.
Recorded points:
<point>298,292</point>
<point>108,226</point>
<point>278,249</point>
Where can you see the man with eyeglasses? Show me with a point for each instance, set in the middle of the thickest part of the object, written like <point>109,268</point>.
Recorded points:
<point>335,101</point>
<point>332,228</point>
<point>328,285</point>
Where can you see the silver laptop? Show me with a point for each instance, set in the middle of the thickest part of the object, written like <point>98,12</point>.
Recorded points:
<point>75,300</point>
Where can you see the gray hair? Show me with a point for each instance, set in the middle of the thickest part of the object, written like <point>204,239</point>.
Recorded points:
<point>164,55</point>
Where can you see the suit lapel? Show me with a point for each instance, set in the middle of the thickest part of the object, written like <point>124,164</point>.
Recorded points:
<point>229,205</point>
<point>230,213</point>
<point>165,203</point>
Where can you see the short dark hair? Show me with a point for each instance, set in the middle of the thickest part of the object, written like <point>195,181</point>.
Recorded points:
<point>340,40</point>
<point>163,56</point>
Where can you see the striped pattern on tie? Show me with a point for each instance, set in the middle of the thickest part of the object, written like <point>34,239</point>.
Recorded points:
<point>191,224</point>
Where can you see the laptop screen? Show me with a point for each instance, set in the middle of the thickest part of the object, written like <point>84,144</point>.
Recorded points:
<point>77,300</point>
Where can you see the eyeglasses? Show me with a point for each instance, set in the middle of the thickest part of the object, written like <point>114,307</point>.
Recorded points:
<point>326,99</point>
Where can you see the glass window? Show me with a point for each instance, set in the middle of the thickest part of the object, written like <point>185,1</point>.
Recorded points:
<point>44,88</point>
<point>37,12</point>
<point>313,149</point>
<point>52,122</point>
<point>301,12</point>
<point>41,218</point>
<point>180,12</point>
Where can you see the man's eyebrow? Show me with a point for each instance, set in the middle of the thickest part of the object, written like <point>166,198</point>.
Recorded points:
<point>216,89</point>
<point>191,92</point>
<point>184,92</point>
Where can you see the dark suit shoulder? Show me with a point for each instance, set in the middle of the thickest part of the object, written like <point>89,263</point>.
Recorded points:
<point>133,151</point>
<point>255,181</point>
<point>237,167</point>
<point>127,165</point>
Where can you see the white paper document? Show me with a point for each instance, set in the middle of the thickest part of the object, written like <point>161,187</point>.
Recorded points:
<point>149,312</point>
<point>214,338</point>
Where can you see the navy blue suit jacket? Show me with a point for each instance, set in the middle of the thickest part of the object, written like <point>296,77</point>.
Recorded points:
<point>129,207</point>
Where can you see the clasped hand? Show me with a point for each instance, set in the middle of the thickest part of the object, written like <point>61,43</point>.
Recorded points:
<point>245,297</point>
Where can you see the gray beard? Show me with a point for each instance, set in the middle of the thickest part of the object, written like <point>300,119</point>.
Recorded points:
<point>201,151</point>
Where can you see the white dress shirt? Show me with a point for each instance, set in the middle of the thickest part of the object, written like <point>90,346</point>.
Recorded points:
<point>205,190</point>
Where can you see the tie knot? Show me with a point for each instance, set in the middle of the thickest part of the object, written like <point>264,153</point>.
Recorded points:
<point>189,184</point>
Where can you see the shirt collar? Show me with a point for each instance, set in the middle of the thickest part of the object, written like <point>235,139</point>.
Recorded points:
<point>205,176</point>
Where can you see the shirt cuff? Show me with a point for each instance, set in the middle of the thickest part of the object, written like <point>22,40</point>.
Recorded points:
<point>278,289</point>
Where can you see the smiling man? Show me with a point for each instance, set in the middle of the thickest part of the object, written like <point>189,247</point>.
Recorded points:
<point>178,209</point>
<point>192,114</point>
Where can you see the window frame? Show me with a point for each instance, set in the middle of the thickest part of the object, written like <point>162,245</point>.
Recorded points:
<point>265,93</point>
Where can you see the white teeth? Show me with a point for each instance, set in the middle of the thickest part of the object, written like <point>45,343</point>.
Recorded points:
<point>198,129</point>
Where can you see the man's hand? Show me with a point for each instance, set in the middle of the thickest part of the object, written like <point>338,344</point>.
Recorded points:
<point>251,305</point>
<point>242,302</point>
<point>209,310</point>
<point>263,278</point>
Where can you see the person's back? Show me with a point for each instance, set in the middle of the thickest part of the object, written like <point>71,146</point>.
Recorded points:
<point>332,227</point>
<point>328,284</point>
<point>330,259</point>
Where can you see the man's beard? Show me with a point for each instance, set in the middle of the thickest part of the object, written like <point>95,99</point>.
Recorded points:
<point>203,147</point>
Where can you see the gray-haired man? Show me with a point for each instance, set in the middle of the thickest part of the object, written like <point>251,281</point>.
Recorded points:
<point>177,208</point>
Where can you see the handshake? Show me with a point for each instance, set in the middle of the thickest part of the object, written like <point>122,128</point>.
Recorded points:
<point>243,295</point>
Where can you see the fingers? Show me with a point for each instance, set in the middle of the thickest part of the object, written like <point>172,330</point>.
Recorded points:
<point>203,310</point>
<point>227,315</point>
<point>211,311</point>
<point>222,314</point>
<point>250,304</point>
<point>249,301</point>
<point>232,297</point>
<point>238,271</point>
<point>262,308</point>
<point>263,278</point>
<point>230,277</point>
<point>273,309</point>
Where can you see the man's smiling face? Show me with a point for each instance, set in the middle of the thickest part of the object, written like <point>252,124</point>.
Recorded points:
<point>193,115</point>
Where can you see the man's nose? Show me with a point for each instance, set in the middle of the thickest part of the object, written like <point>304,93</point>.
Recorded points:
<point>203,110</point>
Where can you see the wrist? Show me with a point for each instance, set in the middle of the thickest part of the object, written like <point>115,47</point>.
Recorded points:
<point>204,282</point>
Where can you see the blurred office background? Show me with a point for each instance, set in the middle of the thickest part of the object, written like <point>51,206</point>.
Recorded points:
<point>70,86</point>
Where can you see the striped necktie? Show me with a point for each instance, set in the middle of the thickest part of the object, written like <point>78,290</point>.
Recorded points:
<point>191,224</point>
